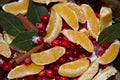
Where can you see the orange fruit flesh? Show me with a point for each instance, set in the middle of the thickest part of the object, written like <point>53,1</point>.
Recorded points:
<point>16,7</point>
<point>48,56</point>
<point>79,38</point>
<point>105,17</point>
<point>24,70</point>
<point>4,48</point>
<point>53,28</point>
<point>79,12</point>
<point>110,54</point>
<point>67,14</point>
<point>90,72</point>
<point>74,69</point>
<point>92,21</point>
<point>48,1</point>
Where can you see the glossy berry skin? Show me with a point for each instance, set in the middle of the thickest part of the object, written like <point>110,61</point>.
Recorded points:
<point>6,67</point>
<point>42,73</point>
<point>40,40</point>
<point>27,61</point>
<point>55,43</point>
<point>49,73</point>
<point>45,18</point>
<point>41,26</point>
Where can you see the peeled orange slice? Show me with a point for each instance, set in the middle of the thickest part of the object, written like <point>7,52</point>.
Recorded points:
<point>79,38</point>
<point>4,48</point>
<point>24,70</point>
<point>16,7</point>
<point>90,72</point>
<point>48,1</point>
<point>84,30</point>
<point>74,69</point>
<point>8,38</point>
<point>48,56</point>
<point>105,17</point>
<point>53,28</point>
<point>67,14</point>
<point>92,21</point>
<point>110,54</point>
<point>78,11</point>
<point>105,74</point>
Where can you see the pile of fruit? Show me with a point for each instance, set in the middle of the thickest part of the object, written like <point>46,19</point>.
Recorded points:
<point>61,45</point>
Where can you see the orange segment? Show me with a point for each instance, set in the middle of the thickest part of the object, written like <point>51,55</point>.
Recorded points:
<point>85,31</point>
<point>8,38</point>
<point>16,7</point>
<point>4,48</point>
<point>24,70</point>
<point>110,54</point>
<point>90,72</point>
<point>48,1</point>
<point>48,56</point>
<point>106,73</point>
<point>53,28</point>
<point>105,17</point>
<point>79,38</point>
<point>78,11</point>
<point>92,21</point>
<point>67,14</point>
<point>75,68</point>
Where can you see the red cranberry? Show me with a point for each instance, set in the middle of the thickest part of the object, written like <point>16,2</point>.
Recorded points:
<point>27,61</point>
<point>75,53</point>
<point>24,78</point>
<point>57,77</point>
<point>104,66</point>
<point>74,79</point>
<point>61,60</point>
<point>49,73</point>
<point>91,38</point>
<point>84,25</point>
<point>66,44</point>
<point>55,69</point>
<point>42,73</point>
<point>47,46</point>
<point>68,53</point>
<point>1,62</point>
<point>97,15</point>
<point>1,75</point>
<point>45,18</point>
<point>100,53</point>
<point>42,33</point>
<point>55,43</point>
<point>31,77</point>
<point>74,59</point>
<point>40,40</point>
<point>65,38</point>
<point>105,45</point>
<point>81,55</point>
<point>88,54</point>
<point>41,26</point>
<point>38,78</point>
<point>72,46</point>
<point>63,78</point>
<point>6,67</point>
<point>60,37</point>
<point>65,25</point>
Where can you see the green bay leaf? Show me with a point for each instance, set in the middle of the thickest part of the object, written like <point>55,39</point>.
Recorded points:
<point>109,34</point>
<point>23,41</point>
<point>10,23</point>
<point>35,11</point>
